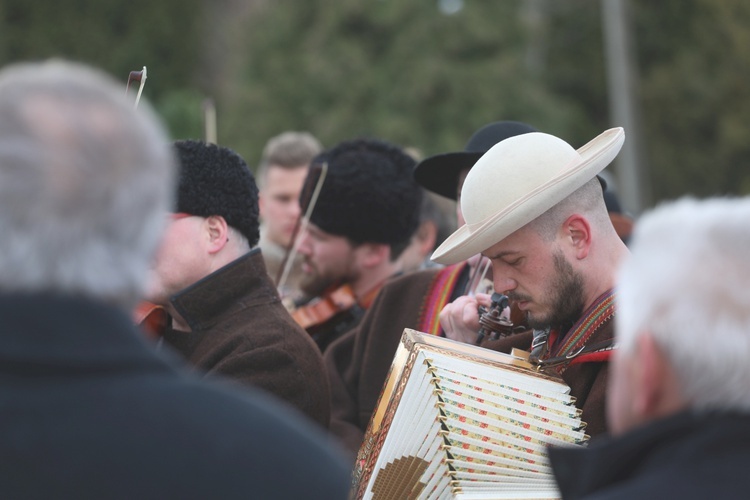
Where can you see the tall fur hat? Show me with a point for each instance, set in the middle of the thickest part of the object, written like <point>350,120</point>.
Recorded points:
<point>215,180</point>
<point>368,194</point>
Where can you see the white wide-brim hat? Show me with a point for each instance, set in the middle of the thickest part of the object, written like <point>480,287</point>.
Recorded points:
<point>519,179</point>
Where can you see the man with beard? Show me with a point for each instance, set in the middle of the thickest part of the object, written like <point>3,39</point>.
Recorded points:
<point>359,361</point>
<point>534,206</point>
<point>679,388</point>
<point>282,170</point>
<point>361,221</point>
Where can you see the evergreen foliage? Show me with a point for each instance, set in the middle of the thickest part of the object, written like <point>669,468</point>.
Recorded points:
<point>406,72</point>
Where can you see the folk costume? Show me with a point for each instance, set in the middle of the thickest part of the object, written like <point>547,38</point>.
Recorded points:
<point>540,171</point>
<point>238,326</point>
<point>358,363</point>
<point>581,357</point>
<point>491,215</point>
<point>368,195</point>
<point>241,330</point>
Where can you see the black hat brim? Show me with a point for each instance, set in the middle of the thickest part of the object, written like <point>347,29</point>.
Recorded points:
<point>439,173</point>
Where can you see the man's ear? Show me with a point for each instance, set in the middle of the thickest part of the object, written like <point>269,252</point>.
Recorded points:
<point>217,233</point>
<point>370,255</point>
<point>657,391</point>
<point>577,233</point>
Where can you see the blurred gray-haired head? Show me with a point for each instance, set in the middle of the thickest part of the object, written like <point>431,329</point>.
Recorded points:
<point>686,283</point>
<point>85,182</point>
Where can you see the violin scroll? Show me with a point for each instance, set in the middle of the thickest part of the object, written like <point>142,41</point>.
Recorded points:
<point>491,320</point>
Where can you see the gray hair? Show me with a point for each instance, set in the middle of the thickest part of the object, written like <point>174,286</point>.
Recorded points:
<point>85,182</point>
<point>587,200</point>
<point>686,282</point>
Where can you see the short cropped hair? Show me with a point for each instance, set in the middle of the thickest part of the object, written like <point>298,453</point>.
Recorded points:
<point>288,150</point>
<point>686,282</point>
<point>587,200</point>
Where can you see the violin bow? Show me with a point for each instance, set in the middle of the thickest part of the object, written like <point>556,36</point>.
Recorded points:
<point>137,76</point>
<point>209,120</point>
<point>477,276</point>
<point>302,223</point>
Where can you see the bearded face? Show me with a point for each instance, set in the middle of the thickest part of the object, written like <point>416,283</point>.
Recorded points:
<point>560,301</point>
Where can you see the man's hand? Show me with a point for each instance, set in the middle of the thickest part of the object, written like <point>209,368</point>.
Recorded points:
<point>460,318</point>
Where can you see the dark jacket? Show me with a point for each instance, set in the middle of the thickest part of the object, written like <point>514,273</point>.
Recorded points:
<point>88,410</point>
<point>357,363</point>
<point>686,456</point>
<point>241,330</point>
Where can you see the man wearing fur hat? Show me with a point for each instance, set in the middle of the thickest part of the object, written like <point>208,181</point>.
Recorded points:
<point>358,362</point>
<point>534,206</point>
<point>362,220</point>
<point>226,316</point>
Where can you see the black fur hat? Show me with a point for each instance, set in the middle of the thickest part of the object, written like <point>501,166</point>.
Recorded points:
<point>369,194</point>
<point>215,180</point>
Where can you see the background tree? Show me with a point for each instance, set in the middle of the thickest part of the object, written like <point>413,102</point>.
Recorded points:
<point>406,72</point>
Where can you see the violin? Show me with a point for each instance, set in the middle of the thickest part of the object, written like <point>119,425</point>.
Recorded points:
<point>325,308</point>
<point>493,324</point>
<point>151,318</point>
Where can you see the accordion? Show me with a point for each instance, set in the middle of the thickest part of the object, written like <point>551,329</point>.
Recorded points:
<point>459,421</point>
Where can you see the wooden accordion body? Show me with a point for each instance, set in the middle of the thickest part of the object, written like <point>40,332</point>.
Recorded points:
<point>459,421</point>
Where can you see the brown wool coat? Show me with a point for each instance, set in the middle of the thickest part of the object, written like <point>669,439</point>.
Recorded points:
<point>240,330</point>
<point>358,362</point>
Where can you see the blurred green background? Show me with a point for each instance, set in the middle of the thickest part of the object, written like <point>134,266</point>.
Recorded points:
<point>426,73</point>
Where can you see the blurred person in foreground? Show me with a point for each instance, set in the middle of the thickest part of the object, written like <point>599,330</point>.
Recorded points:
<point>88,408</point>
<point>358,363</point>
<point>226,316</point>
<point>281,173</point>
<point>679,387</point>
<point>534,206</point>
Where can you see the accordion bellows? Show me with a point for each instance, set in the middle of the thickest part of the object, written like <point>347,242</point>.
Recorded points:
<point>459,421</point>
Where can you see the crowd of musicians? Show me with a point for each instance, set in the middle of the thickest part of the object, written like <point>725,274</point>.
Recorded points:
<point>281,298</point>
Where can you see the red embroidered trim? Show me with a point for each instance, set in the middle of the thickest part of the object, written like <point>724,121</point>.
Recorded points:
<point>599,313</point>
<point>592,357</point>
<point>437,297</point>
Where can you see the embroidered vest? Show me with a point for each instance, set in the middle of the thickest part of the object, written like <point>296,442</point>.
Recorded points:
<point>440,293</point>
<point>573,349</point>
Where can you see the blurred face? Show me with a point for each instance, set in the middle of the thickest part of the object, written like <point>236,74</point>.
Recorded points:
<point>180,260</point>
<point>536,275</point>
<point>328,260</point>
<point>279,202</point>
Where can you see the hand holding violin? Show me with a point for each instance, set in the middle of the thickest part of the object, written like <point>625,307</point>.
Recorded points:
<point>460,318</point>
<point>471,318</point>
